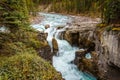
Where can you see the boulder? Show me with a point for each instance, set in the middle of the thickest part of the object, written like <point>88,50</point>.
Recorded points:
<point>47,26</point>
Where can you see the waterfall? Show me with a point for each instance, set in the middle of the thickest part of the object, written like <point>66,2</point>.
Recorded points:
<point>63,61</point>
<point>51,31</point>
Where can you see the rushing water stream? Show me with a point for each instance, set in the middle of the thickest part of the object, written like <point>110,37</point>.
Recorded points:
<point>66,54</point>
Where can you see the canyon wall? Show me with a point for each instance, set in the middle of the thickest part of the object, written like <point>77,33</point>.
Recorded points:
<point>104,47</point>
<point>108,49</point>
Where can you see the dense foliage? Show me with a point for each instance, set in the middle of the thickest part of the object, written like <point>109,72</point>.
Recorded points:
<point>21,41</point>
<point>13,13</point>
<point>19,44</point>
<point>109,10</point>
<point>27,67</point>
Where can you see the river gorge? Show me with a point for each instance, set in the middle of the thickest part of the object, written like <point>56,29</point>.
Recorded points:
<point>77,49</point>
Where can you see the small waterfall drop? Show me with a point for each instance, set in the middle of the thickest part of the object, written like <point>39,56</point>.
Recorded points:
<point>51,31</point>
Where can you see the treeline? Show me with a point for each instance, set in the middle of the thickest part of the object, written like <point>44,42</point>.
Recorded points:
<point>15,13</point>
<point>109,10</point>
<point>75,6</point>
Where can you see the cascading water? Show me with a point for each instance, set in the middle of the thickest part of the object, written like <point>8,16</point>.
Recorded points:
<point>51,31</point>
<point>63,62</point>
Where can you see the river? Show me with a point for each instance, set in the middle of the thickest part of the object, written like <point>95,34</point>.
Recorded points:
<point>63,61</point>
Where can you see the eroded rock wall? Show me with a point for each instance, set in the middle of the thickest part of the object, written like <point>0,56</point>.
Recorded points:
<point>109,55</point>
<point>104,48</point>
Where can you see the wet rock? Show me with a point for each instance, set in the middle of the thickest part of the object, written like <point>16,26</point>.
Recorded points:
<point>55,45</point>
<point>47,26</point>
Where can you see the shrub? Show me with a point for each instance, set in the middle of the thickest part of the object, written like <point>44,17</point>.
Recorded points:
<point>22,40</point>
<point>16,48</point>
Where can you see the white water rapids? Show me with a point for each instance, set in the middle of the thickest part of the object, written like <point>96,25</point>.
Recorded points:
<point>66,54</point>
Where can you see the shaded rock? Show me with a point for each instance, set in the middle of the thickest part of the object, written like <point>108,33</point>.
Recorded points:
<point>78,56</point>
<point>75,38</point>
<point>60,27</point>
<point>67,36</point>
<point>45,52</point>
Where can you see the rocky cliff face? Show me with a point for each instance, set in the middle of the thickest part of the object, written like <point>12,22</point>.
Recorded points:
<point>109,56</point>
<point>81,33</point>
<point>104,48</point>
<point>110,41</point>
